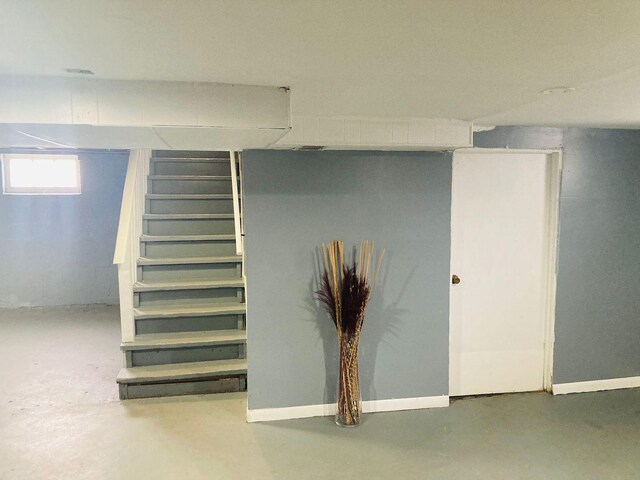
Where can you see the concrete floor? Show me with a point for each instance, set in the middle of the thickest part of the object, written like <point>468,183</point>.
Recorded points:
<point>60,419</point>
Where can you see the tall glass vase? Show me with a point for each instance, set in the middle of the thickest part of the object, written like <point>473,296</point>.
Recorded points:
<point>349,401</point>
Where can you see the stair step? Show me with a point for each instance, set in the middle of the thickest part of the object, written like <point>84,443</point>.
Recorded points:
<point>190,184</point>
<point>189,260</point>
<point>190,177</point>
<point>204,224</point>
<point>192,159</point>
<point>187,216</point>
<point>182,371</point>
<point>189,272</point>
<point>156,341</point>
<point>201,285</point>
<point>186,238</point>
<point>190,311</point>
<point>189,196</point>
<point>190,153</point>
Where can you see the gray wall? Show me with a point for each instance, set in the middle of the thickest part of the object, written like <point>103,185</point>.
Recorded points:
<point>598,304</point>
<point>294,201</point>
<point>58,250</point>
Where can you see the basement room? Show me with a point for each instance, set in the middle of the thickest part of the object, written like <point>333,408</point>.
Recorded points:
<point>342,239</point>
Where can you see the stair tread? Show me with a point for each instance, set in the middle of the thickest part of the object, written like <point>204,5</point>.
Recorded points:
<point>154,286</point>
<point>182,371</point>
<point>189,196</point>
<point>189,260</point>
<point>190,177</point>
<point>186,216</point>
<point>200,310</point>
<point>185,339</point>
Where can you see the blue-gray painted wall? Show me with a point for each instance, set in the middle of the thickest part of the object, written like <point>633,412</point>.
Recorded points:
<point>294,201</point>
<point>598,300</point>
<point>58,249</point>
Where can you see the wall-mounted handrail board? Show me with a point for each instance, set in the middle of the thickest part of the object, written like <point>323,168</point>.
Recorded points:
<point>241,198</point>
<point>236,202</point>
<point>126,210</point>
<point>127,248</point>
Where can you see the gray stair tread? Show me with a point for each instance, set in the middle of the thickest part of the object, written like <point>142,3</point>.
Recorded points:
<point>189,260</point>
<point>199,310</point>
<point>182,371</point>
<point>220,159</point>
<point>190,177</point>
<point>185,339</point>
<point>157,286</point>
<point>189,196</point>
<point>187,216</point>
<point>186,238</point>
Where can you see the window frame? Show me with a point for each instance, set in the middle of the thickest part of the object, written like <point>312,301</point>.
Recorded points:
<point>8,189</point>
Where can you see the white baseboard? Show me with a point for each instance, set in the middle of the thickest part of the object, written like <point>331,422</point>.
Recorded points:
<point>596,385</point>
<point>396,404</point>
<point>325,409</point>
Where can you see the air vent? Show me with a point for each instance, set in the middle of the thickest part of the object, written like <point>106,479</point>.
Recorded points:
<point>311,148</point>
<point>558,90</point>
<point>79,71</point>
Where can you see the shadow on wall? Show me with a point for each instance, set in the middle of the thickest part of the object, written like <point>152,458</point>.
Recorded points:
<point>379,322</point>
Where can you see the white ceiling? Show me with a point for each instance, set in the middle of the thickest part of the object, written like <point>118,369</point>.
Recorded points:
<point>479,60</point>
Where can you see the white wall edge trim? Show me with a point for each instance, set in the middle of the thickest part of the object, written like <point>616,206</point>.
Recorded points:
<point>596,385</point>
<point>508,150</point>
<point>325,409</point>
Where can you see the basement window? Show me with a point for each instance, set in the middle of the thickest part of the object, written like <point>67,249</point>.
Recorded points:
<point>40,174</point>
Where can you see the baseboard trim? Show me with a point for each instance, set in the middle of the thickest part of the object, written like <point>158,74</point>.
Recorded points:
<point>325,409</point>
<point>596,385</point>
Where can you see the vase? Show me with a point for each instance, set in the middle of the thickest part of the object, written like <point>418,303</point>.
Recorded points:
<point>349,401</point>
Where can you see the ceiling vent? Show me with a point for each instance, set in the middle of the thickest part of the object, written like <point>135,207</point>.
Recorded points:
<point>79,71</point>
<point>558,90</point>
<point>311,148</point>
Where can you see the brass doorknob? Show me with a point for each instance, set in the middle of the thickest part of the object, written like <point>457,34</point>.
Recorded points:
<point>455,279</point>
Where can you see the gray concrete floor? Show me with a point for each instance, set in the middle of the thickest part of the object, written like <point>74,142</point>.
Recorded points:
<point>60,419</point>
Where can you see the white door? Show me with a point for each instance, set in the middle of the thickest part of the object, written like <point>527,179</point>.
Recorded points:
<point>499,251</point>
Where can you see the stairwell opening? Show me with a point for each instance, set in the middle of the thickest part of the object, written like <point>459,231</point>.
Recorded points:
<point>189,296</point>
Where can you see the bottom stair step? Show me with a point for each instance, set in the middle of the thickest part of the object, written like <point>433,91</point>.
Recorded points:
<point>182,371</point>
<point>188,387</point>
<point>183,379</point>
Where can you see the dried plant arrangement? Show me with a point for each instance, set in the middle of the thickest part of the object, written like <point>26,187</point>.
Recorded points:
<point>345,290</point>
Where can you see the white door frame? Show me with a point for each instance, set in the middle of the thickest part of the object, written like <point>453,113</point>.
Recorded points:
<point>553,184</point>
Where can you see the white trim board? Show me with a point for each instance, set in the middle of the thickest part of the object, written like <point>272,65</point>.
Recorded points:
<point>326,409</point>
<point>596,385</point>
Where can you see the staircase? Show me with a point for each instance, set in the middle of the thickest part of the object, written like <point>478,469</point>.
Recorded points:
<point>188,300</point>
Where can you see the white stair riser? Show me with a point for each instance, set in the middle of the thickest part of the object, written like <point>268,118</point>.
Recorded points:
<point>190,186</point>
<point>189,227</point>
<point>190,206</point>
<point>221,248</point>
<point>188,324</point>
<point>177,298</point>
